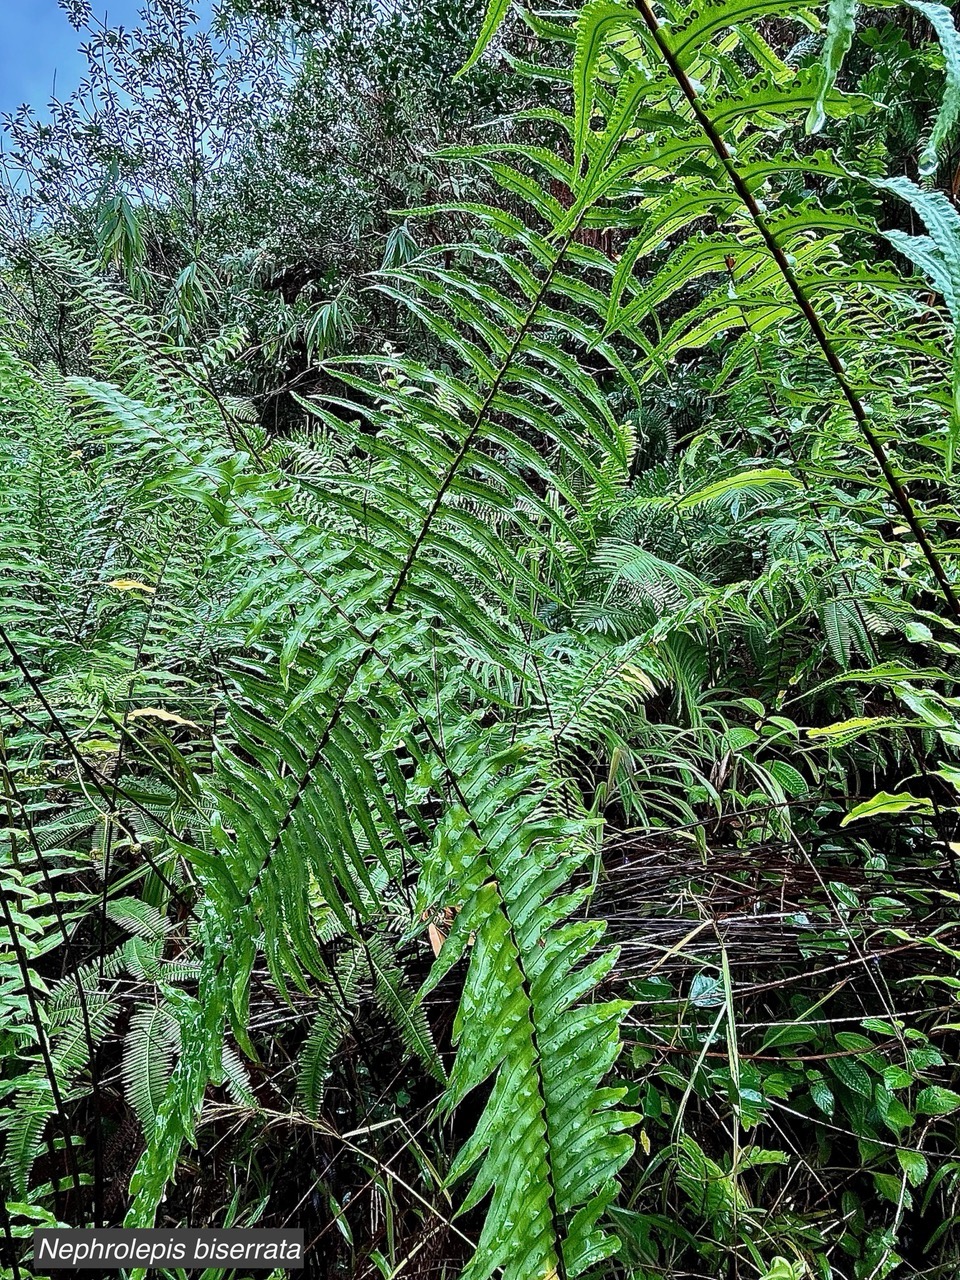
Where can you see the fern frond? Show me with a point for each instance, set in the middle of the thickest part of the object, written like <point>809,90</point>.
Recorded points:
<point>552,1181</point>
<point>149,1049</point>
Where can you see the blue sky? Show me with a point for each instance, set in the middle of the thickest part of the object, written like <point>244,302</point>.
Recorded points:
<point>37,42</point>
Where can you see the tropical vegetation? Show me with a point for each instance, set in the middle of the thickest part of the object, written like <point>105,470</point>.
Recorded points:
<point>480,631</point>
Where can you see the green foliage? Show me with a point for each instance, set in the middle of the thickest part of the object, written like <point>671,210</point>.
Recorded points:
<point>518,788</point>
<point>841,25</point>
<point>941,19</point>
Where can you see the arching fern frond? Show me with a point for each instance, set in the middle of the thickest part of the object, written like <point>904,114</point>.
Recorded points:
<point>504,863</point>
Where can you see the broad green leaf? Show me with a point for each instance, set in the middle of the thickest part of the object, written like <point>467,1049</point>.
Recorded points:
<point>891,1188</point>
<point>823,1096</point>
<point>936,1101</point>
<point>886,802</point>
<point>783,1269</point>
<point>792,781</point>
<point>850,1073</point>
<point>914,1165</point>
<point>790,1034</point>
